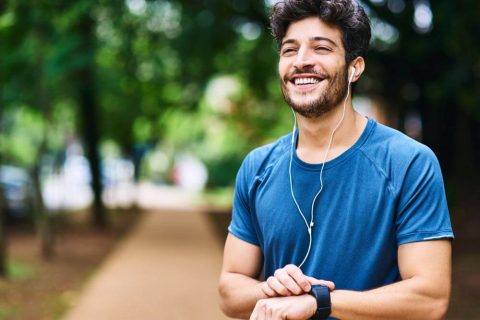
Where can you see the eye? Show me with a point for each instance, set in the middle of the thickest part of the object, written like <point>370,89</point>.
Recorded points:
<point>288,51</point>
<point>322,49</point>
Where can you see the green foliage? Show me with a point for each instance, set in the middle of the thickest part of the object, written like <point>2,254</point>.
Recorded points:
<point>23,131</point>
<point>24,128</point>
<point>219,198</point>
<point>7,20</point>
<point>155,62</point>
<point>8,312</point>
<point>17,270</point>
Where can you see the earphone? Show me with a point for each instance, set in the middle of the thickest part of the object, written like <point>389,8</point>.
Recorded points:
<point>311,224</point>
<point>351,76</point>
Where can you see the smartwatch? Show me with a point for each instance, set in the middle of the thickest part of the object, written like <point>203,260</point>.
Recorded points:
<point>322,295</point>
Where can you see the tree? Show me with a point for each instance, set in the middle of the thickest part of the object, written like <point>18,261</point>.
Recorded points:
<point>140,73</point>
<point>432,72</point>
<point>85,77</point>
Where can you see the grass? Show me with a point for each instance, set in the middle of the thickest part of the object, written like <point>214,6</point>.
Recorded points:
<point>18,271</point>
<point>7,312</point>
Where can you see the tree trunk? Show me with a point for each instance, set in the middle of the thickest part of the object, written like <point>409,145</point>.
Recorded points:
<point>44,223</point>
<point>90,130</point>
<point>88,109</point>
<point>42,218</point>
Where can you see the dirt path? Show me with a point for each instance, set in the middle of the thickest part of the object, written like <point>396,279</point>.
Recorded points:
<point>167,268</point>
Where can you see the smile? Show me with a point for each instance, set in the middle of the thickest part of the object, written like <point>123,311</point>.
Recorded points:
<point>302,81</point>
<point>306,82</point>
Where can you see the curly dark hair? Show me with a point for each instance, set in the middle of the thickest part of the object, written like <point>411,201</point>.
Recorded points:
<point>347,15</point>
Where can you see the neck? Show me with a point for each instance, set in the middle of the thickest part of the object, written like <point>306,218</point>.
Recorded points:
<point>314,133</point>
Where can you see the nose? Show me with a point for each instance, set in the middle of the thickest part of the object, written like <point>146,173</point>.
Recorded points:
<point>304,59</point>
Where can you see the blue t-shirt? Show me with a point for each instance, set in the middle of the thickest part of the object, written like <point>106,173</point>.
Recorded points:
<point>384,191</point>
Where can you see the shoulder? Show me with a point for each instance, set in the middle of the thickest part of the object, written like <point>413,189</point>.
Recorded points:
<point>386,143</point>
<point>396,155</point>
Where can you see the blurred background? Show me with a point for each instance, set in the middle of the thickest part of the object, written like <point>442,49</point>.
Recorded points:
<point>107,108</point>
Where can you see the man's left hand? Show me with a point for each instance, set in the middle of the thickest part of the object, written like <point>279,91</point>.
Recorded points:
<point>291,308</point>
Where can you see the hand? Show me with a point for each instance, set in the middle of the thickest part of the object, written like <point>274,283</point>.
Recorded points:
<point>290,280</point>
<point>291,308</point>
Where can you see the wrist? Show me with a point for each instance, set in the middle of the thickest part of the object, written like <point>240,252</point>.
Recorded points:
<point>335,297</point>
<point>312,305</point>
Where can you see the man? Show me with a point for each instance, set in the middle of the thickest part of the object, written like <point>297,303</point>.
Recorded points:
<point>343,199</point>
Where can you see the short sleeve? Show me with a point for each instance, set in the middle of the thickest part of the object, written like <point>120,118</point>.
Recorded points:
<point>241,225</point>
<point>422,207</point>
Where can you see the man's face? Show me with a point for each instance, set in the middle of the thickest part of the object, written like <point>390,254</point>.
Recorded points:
<point>312,67</point>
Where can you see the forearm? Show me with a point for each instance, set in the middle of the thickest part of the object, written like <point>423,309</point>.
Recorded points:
<point>239,294</point>
<point>408,299</point>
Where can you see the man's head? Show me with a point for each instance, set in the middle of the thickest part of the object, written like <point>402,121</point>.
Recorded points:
<point>346,15</point>
<point>319,41</point>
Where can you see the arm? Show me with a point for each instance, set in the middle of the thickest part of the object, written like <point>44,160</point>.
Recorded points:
<point>238,287</point>
<point>240,290</point>
<point>423,292</point>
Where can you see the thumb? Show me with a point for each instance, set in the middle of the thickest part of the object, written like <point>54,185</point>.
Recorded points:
<point>325,283</point>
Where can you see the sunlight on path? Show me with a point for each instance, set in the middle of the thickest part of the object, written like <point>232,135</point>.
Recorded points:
<point>150,196</point>
<point>167,268</point>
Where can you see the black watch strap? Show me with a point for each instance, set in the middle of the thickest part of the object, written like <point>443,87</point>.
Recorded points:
<point>322,295</point>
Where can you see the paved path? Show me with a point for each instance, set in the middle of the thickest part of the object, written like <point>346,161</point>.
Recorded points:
<point>167,268</point>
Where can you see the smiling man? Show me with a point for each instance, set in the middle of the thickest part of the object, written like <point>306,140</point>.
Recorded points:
<point>346,217</point>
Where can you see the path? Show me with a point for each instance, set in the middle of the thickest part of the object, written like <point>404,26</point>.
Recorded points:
<point>166,268</point>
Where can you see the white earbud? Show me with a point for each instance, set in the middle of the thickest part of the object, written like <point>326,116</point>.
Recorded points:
<point>352,75</point>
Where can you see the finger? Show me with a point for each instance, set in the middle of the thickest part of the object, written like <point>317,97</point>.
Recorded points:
<point>269,292</point>
<point>278,287</point>
<point>280,313</point>
<point>287,281</point>
<point>261,310</point>
<point>326,283</point>
<point>269,314</point>
<point>298,276</point>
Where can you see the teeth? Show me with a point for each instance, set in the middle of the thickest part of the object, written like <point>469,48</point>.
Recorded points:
<point>306,80</point>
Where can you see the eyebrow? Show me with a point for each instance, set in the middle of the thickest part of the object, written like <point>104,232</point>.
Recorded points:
<point>318,38</point>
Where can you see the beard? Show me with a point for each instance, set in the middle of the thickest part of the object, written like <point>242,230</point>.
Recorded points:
<point>327,100</point>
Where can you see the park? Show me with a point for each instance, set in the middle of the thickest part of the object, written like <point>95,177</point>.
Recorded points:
<point>123,126</point>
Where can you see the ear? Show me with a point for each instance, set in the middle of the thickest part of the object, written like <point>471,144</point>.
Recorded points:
<point>359,64</point>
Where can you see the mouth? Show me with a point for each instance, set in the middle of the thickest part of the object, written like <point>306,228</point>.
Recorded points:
<point>306,82</point>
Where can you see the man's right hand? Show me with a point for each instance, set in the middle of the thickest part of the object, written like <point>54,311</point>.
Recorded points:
<point>290,280</point>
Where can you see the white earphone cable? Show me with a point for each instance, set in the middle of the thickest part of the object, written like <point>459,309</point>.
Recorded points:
<point>311,224</point>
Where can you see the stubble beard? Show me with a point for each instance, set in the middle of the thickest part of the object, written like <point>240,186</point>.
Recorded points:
<point>327,100</point>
